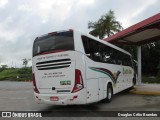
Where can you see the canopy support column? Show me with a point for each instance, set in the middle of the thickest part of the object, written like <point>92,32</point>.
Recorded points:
<point>139,65</point>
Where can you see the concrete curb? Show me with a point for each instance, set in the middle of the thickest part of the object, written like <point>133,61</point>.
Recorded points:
<point>134,91</point>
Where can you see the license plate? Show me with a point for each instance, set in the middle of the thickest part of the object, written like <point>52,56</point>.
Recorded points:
<point>54,98</point>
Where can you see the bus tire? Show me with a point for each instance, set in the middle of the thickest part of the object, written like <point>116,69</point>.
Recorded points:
<point>109,93</point>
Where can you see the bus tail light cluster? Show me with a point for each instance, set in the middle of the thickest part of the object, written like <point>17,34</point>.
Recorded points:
<point>78,81</point>
<point>34,83</point>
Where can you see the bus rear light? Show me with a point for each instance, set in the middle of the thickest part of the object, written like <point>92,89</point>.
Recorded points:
<point>78,81</point>
<point>34,83</point>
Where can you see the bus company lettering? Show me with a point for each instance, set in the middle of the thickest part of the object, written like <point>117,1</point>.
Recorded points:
<point>127,71</point>
<point>53,56</point>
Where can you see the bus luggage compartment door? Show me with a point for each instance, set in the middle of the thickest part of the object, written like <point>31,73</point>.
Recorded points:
<point>92,90</point>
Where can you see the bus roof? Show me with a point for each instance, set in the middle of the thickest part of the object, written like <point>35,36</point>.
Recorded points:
<point>91,36</point>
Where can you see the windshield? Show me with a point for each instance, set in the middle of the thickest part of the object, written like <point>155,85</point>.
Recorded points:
<point>54,42</point>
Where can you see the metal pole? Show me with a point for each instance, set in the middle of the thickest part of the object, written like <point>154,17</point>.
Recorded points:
<point>139,65</point>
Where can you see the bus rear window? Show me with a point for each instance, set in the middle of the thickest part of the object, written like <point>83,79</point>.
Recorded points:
<point>53,42</point>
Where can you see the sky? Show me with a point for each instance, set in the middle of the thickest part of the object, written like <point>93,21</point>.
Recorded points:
<point>21,21</point>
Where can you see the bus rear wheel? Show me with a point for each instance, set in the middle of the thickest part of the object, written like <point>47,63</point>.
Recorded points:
<point>109,93</point>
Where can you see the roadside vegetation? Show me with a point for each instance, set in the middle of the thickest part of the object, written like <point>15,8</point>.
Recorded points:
<point>150,79</point>
<point>16,74</point>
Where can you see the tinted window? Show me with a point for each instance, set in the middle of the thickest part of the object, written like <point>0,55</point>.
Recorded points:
<point>91,48</point>
<point>52,42</point>
<point>87,46</point>
<point>107,54</point>
<point>127,60</point>
<point>102,53</point>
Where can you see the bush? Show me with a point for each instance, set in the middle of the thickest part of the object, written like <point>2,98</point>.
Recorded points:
<point>147,79</point>
<point>25,70</point>
<point>9,74</point>
<point>158,74</point>
<point>18,74</point>
<point>25,73</point>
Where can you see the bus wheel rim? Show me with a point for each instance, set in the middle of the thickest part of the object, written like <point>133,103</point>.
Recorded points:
<point>109,93</point>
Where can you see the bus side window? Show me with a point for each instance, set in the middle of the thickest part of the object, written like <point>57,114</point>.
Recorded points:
<point>95,52</point>
<point>101,52</point>
<point>87,47</point>
<point>109,55</point>
<point>130,62</point>
<point>113,54</point>
<point>126,60</point>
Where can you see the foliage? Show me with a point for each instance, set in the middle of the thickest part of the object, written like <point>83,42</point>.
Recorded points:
<point>131,49</point>
<point>8,74</point>
<point>146,79</point>
<point>25,70</point>
<point>150,58</point>
<point>106,25</point>
<point>25,62</point>
<point>19,74</point>
<point>158,74</point>
<point>25,73</point>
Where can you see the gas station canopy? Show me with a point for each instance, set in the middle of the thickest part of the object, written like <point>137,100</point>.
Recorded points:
<point>144,32</point>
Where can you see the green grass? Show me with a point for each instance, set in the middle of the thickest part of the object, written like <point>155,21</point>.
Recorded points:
<point>9,74</point>
<point>18,74</point>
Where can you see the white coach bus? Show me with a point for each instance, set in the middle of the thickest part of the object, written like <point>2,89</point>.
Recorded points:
<point>74,68</point>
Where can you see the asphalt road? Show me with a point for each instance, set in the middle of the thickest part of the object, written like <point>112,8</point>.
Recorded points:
<point>18,96</point>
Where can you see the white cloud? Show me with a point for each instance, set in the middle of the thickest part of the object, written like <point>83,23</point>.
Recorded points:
<point>44,21</point>
<point>140,9</point>
<point>24,8</point>
<point>3,3</point>
<point>57,9</point>
<point>131,12</point>
<point>51,9</point>
<point>86,2</point>
<point>11,34</point>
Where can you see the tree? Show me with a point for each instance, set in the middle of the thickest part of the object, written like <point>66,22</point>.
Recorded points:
<point>25,62</point>
<point>158,74</point>
<point>106,25</point>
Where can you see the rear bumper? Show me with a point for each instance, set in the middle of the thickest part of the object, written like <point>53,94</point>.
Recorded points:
<point>64,99</point>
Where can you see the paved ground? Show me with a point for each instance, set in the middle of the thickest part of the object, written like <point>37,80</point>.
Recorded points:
<point>146,89</point>
<point>18,96</point>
